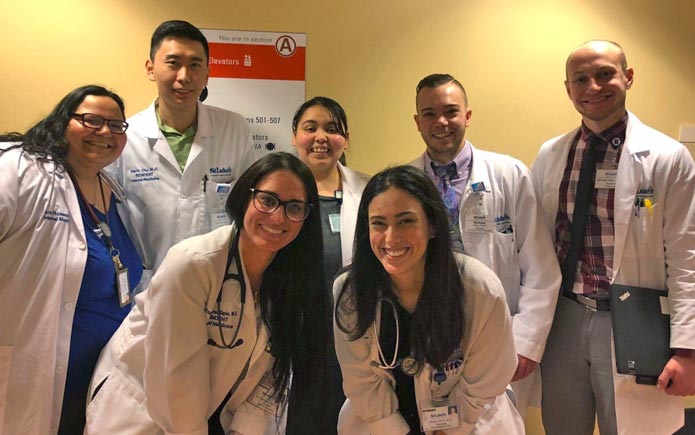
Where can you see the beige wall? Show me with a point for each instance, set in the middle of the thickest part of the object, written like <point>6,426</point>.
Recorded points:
<point>369,55</point>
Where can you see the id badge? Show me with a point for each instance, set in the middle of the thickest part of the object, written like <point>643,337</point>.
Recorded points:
<point>219,219</point>
<point>261,397</point>
<point>439,414</point>
<point>334,220</point>
<point>478,223</point>
<point>606,176</point>
<point>123,286</point>
<point>223,188</point>
<point>216,205</point>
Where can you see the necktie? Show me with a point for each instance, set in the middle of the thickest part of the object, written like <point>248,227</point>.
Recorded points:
<point>580,216</point>
<point>444,176</point>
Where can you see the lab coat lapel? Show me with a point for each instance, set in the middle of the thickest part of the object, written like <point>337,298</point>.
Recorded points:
<point>156,138</point>
<point>479,174</point>
<point>73,206</point>
<point>249,330</point>
<point>348,213</point>
<point>205,130</point>
<point>630,171</point>
<point>552,178</point>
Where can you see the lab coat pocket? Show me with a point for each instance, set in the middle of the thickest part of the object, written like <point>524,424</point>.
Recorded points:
<point>118,407</point>
<point>5,362</point>
<point>505,259</point>
<point>215,202</point>
<point>643,255</point>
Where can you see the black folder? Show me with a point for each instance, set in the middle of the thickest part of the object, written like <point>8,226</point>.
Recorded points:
<point>641,331</point>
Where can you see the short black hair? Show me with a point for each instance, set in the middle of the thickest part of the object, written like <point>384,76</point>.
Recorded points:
<point>177,29</point>
<point>434,80</point>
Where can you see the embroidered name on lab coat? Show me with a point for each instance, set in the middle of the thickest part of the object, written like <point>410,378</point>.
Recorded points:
<point>221,318</point>
<point>138,175</point>
<point>56,216</point>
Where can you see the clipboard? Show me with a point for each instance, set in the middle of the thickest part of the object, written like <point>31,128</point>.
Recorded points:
<point>641,331</point>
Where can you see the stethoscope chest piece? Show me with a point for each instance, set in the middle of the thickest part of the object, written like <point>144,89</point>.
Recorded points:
<point>409,366</point>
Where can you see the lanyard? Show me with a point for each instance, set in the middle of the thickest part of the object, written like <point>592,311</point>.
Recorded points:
<point>103,231</point>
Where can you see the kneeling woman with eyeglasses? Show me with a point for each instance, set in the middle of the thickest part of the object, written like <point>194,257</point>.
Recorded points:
<point>210,345</point>
<point>423,335</point>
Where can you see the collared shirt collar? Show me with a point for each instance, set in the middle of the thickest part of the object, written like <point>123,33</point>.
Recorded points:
<point>463,159</point>
<point>614,135</point>
<point>170,131</point>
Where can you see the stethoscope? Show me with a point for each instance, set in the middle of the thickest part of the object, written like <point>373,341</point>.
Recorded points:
<point>408,364</point>
<point>232,254</point>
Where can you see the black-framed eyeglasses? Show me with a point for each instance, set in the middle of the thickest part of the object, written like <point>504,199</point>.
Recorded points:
<point>268,202</point>
<point>90,120</point>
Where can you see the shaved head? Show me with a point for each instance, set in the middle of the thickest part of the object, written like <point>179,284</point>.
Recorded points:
<point>597,81</point>
<point>599,46</point>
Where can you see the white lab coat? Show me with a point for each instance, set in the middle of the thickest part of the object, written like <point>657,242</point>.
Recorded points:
<point>524,260</point>
<point>44,252</point>
<point>164,205</point>
<point>353,185</point>
<point>489,361</point>
<point>654,250</point>
<point>160,375</point>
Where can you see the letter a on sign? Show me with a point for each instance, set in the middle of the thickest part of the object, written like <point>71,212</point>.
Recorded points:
<point>285,46</point>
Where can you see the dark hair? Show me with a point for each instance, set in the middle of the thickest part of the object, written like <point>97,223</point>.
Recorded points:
<point>46,139</point>
<point>437,325</point>
<point>435,80</point>
<point>180,30</point>
<point>294,301</point>
<point>338,115</point>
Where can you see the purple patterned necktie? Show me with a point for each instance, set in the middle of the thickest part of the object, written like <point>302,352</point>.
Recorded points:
<point>446,190</point>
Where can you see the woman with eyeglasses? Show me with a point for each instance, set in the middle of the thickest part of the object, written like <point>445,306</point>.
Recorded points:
<point>68,264</point>
<point>320,136</point>
<point>210,345</point>
<point>423,334</point>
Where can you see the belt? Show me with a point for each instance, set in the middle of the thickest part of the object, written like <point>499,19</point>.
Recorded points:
<point>594,304</point>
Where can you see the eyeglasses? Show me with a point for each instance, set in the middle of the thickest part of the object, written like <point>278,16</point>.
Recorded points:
<point>90,120</point>
<point>268,202</point>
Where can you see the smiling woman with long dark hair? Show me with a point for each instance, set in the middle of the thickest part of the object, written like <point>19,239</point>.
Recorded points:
<point>209,347</point>
<point>423,335</point>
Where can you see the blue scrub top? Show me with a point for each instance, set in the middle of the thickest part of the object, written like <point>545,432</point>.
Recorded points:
<point>98,312</point>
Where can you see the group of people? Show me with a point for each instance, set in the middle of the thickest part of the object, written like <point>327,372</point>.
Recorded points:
<point>158,280</point>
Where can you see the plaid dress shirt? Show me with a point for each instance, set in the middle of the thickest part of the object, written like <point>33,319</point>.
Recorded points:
<point>596,259</point>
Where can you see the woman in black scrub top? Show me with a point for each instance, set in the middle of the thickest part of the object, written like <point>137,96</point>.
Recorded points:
<point>320,136</point>
<point>423,334</point>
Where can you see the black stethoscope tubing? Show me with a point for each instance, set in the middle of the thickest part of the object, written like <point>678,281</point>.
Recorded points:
<point>232,255</point>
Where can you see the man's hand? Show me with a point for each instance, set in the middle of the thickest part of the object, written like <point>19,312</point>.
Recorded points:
<point>678,376</point>
<point>524,368</point>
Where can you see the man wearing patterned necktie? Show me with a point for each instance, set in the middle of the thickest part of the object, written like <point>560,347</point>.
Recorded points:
<point>494,216</point>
